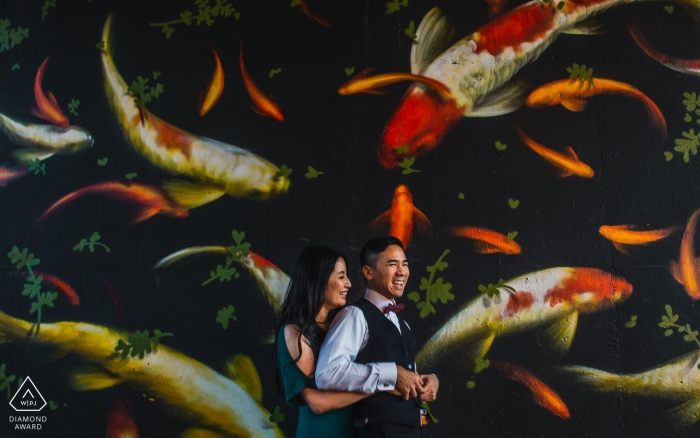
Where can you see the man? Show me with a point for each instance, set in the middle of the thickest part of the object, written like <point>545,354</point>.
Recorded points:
<point>370,349</point>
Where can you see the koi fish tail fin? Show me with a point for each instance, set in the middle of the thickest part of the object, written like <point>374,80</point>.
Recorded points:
<point>687,66</point>
<point>621,247</point>
<point>40,113</point>
<point>242,371</point>
<point>422,222</point>
<point>574,105</point>
<point>504,100</point>
<point>677,273</point>
<point>484,248</point>
<point>191,195</point>
<point>143,214</point>
<point>195,250</point>
<point>380,220</point>
<point>433,36</point>
<point>686,414</point>
<point>594,379</point>
<point>560,335</point>
<point>25,156</point>
<point>93,380</point>
<point>656,116</point>
<point>194,432</point>
<point>590,26</point>
<point>61,203</point>
<point>14,329</point>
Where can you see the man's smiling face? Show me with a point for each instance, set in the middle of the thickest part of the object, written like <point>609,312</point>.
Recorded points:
<point>390,273</point>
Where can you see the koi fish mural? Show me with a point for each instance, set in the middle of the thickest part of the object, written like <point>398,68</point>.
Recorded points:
<point>477,69</point>
<point>8,174</point>
<point>364,83</point>
<point>215,88</point>
<point>687,270</point>
<point>194,392</point>
<point>621,235</point>
<point>43,141</point>
<point>686,66</point>
<point>217,168</point>
<point>120,420</point>
<point>401,217</point>
<point>486,241</point>
<point>263,105</point>
<point>47,107</point>
<point>567,164</point>
<point>553,298</point>
<point>677,380</point>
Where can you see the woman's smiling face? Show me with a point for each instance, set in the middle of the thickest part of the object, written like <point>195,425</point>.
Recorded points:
<point>336,293</point>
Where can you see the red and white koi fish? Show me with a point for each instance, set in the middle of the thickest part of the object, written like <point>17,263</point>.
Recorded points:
<point>554,298</point>
<point>217,168</point>
<point>149,200</point>
<point>210,402</point>
<point>8,174</point>
<point>476,69</point>
<point>215,88</point>
<point>47,108</point>
<point>271,280</point>
<point>401,217</point>
<point>687,270</point>
<point>263,105</point>
<point>541,392</point>
<point>677,380</point>
<point>43,141</point>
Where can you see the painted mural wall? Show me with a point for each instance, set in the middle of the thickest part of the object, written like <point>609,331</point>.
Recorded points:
<point>164,162</point>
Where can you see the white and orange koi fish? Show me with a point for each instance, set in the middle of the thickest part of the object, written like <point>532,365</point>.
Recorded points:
<point>554,297</point>
<point>270,280</point>
<point>476,69</point>
<point>217,168</point>
<point>194,392</point>
<point>678,380</point>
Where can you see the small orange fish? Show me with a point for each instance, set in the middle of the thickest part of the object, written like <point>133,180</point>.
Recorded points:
<point>571,94</point>
<point>362,83</point>
<point>149,199</point>
<point>7,174</point>
<point>621,235</point>
<point>486,241</point>
<point>541,393</point>
<point>216,87</point>
<point>263,105</point>
<point>47,107</point>
<point>402,215</point>
<point>568,164</point>
<point>687,270</point>
<point>326,22</point>
<point>62,287</point>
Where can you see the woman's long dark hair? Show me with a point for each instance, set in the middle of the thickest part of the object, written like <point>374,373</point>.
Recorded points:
<point>305,296</point>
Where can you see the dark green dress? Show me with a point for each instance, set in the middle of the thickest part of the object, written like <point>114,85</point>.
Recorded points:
<point>336,423</point>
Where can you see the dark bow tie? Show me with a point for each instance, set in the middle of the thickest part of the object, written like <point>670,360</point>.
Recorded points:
<point>394,308</point>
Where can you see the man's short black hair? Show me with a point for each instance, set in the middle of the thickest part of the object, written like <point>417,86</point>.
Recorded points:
<point>371,250</point>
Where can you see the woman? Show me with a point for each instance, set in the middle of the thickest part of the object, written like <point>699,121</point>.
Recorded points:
<point>318,289</point>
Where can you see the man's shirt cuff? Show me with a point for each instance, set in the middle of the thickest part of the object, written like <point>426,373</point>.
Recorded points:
<point>387,376</point>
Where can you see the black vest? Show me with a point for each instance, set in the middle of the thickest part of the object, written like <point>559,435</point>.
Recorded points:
<point>386,344</point>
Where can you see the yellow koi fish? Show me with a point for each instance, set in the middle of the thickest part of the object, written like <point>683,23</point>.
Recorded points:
<point>553,298</point>
<point>677,380</point>
<point>192,391</point>
<point>217,168</point>
<point>270,279</point>
<point>43,141</point>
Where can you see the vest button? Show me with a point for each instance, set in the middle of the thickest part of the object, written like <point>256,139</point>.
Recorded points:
<point>410,367</point>
<point>386,385</point>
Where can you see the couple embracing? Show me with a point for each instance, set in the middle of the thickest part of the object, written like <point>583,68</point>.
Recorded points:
<point>351,370</point>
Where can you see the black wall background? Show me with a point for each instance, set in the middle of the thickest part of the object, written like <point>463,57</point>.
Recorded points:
<point>557,219</point>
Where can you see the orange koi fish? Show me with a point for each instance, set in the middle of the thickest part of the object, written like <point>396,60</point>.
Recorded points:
<point>263,105</point>
<point>553,298</point>
<point>621,235</point>
<point>326,22</point>
<point>568,164</point>
<point>120,420</point>
<point>486,241</point>
<point>541,393</point>
<point>63,287</point>
<point>216,87</point>
<point>571,94</point>
<point>687,270</point>
<point>687,66</point>
<point>149,199</point>
<point>362,83</point>
<point>213,168</point>
<point>270,280</point>
<point>47,107</point>
<point>7,174</point>
<point>402,215</point>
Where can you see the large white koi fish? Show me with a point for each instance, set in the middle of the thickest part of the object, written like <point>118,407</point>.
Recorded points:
<point>214,405</point>
<point>477,69</point>
<point>678,379</point>
<point>552,298</point>
<point>216,167</point>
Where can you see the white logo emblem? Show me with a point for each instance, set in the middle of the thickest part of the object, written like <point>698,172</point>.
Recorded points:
<point>28,398</point>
